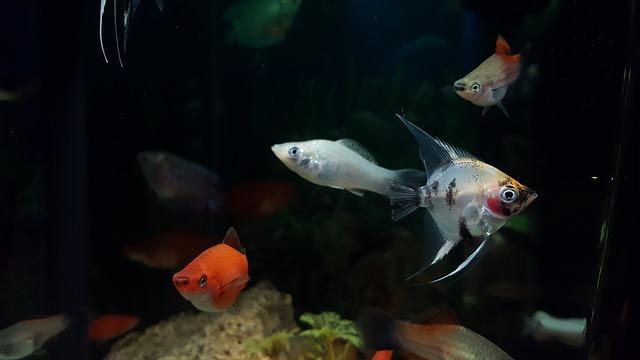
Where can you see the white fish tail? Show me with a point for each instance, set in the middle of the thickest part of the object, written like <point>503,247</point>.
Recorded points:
<point>404,199</point>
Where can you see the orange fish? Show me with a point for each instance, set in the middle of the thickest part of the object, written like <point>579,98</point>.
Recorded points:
<point>383,355</point>
<point>107,327</point>
<point>213,280</point>
<point>487,84</point>
<point>258,199</point>
<point>169,250</point>
<point>438,336</point>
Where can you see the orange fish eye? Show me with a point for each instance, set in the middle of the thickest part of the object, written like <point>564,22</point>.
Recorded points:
<point>203,281</point>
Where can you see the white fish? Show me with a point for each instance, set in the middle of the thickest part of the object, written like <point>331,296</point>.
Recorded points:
<point>26,337</point>
<point>466,199</point>
<point>342,164</point>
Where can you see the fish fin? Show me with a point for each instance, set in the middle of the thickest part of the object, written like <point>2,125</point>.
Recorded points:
<point>484,110</point>
<point>115,25</point>
<point>103,3</point>
<point>410,177</point>
<point>499,93</point>
<point>378,329</point>
<point>358,148</point>
<point>502,46</point>
<point>160,4</point>
<point>504,109</point>
<point>356,192</point>
<point>433,152</point>
<point>438,314</point>
<point>404,200</point>
<point>237,282</point>
<point>232,239</point>
<point>465,265</point>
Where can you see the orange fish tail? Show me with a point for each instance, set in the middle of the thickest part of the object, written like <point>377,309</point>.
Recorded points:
<point>502,46</point>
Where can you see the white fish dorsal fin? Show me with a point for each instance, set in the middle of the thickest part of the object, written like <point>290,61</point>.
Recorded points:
<point>232,239</point>
<point>438,314</point>
<point>358,148</point>
<point>433,152</point>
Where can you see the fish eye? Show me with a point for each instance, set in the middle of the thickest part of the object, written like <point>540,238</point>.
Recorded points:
<point>475,87</point>
<point>203,281</point>
<point>508,194</point>
<point>294,152</point>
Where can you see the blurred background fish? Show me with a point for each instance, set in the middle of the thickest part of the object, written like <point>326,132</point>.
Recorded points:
<point>260,23</point>
<point>180,183</point>
<point>213,281</point>
<point>111,326</point>
<point>26,337</point>
<point>259,198</point>
<point>545,327</point>
<point>169,250</point>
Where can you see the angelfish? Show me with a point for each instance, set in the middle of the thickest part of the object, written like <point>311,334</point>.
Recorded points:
<point>26,337</point>
<point>342,164</point>
<point>487,84</point>
<point>466,199</point>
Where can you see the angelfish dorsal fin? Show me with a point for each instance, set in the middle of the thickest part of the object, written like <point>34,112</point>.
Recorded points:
<point>232,239</point>
<point>433,152</point>
<point>438,314</point>
<point>358,148</point>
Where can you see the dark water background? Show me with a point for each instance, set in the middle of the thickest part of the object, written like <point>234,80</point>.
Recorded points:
<point>73,194</point>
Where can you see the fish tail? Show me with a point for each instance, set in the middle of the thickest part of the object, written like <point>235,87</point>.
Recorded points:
<point>404,199</point>
<point>378,329</point>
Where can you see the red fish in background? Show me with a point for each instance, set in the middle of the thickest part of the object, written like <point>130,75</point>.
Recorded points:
<point>107,327</point>
<point>383,355</point>
<point>180,183</point>
<point>213,281</point>
<point>258,199</point>
<point>169,250</point>
<point>487,84</point>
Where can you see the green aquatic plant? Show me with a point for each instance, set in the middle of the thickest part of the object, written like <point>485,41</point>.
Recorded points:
<point>338,336</point>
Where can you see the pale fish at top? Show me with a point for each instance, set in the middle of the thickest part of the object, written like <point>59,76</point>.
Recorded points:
<point>342,164</point>
<point>543,327</point>
<point>26,337</point>
<point>487,84</point>
<point>466,199</point>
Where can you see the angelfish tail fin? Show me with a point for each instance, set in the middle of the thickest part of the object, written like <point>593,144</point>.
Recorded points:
<point>404,199</point>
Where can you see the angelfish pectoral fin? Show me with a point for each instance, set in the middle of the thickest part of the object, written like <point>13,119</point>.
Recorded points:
<point>470,261</point>
<point>484,110</point>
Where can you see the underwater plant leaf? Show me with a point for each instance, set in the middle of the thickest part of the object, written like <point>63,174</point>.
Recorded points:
<point>329,325</point>
<point>272,345</point>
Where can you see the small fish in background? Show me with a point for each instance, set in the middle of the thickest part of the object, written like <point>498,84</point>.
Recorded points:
<point>437,336</point>
<point>508,290</point>
<point>342,164</point>
<point>487,84</point>
<point>26,337</point>
<point>544,327</point>
<point>261,23</point>
<point>129,13</point>
<point>213,281</point>
<point>383,355</point>
<point>258,199</point>
<point>180,183</point>
<point>466,199</point>
<point>169,250</point>
<point>107,327</point>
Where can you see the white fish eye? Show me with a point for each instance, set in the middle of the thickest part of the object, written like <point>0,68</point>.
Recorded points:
<point>294,152</point>
<point>475,87</point>
<point>203,281</point>
<point>508,194</point>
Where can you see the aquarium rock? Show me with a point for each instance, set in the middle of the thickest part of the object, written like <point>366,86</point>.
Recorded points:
<point>224,335</point>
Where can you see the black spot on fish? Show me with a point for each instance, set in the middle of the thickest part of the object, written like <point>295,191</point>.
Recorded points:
<point>427,198</point>
<point>434,187</point>
<point>451,194</point>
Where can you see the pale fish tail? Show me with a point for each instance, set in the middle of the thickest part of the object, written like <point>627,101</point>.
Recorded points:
<point>404,199</point>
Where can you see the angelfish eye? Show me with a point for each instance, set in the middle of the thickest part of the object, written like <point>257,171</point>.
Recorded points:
<point>203,281</point>
<point>475,87</point>
<point>294,152</point>
<point>508,194</point>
